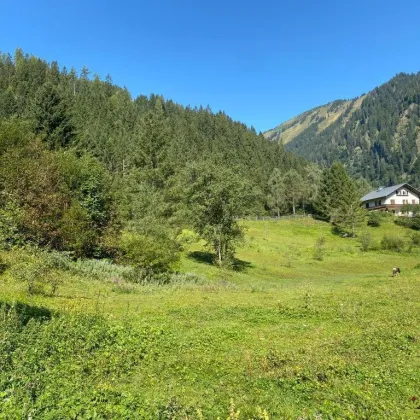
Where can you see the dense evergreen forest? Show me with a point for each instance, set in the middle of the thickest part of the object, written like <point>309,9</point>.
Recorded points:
<point>375,136</point>
<point>85,168</point>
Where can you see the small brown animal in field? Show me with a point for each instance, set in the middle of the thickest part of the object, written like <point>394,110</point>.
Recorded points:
<point>396,271</point>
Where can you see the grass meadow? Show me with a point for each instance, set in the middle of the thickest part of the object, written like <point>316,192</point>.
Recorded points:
<point>304,328</point>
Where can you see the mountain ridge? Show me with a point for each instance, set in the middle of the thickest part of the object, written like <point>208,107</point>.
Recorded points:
<point>375,135</point>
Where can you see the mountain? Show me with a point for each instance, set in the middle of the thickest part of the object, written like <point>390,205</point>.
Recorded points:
<point>376,136</point>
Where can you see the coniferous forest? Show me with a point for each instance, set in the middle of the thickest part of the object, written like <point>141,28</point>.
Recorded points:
<point>88,169</point>
<point>376,136</point>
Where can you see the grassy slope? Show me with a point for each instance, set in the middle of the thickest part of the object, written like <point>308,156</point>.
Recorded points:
<point>290,129</point>
<point>289,333</point>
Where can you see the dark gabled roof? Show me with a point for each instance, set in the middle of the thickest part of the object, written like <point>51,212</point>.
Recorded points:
<point>384,192</point>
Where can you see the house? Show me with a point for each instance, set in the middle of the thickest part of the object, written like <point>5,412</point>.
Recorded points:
<point>391,198</point>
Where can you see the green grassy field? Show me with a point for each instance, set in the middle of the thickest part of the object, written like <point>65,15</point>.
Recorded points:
<point>298,337</point>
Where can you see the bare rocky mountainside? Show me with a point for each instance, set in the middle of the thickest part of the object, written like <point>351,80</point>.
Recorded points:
<point>376,136</point>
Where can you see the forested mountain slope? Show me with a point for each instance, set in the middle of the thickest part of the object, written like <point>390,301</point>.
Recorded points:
<point>376,136</point>
<point>86,168</point>
<point>124,132</point>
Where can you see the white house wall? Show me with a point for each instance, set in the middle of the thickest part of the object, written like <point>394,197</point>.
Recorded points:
<point>395,198</point>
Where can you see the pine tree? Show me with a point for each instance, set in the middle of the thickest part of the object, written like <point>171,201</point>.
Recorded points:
<point>334,182</point>
<point>52,119</point>
<point>349,215</point>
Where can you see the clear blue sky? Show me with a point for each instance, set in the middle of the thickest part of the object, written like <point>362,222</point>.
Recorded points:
<point>261,62</point>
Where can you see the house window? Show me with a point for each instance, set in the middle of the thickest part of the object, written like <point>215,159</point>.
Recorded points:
<point>367,205</point>
<point>380,202</point>
<point>413,201</point>
<point>392,202</point>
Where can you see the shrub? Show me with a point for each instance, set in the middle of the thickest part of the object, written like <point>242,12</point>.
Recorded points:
<point>3,265</point>
<point>319,248</point>
<point>39,278</point>
<point>409,222</point>
<point>374,219</point>
<point>365,241</point>
<point>53,198</point>
<point>415,238</point>
<point>10,216</point>
<point>150,254</point>
<point>392,243</point>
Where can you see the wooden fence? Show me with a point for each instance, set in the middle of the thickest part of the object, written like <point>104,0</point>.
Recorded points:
<point>289,216</point>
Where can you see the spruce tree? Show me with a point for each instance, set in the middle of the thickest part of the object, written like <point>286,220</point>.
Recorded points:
<point>52,118</point>
<point>349,215</point>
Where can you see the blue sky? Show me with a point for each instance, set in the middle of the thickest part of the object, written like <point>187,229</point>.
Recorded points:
<point>262,62</point>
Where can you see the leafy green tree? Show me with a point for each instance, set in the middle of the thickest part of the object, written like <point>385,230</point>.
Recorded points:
<point>294,188</point>
<point>311,183</point>
<point>217,197</point>
<point>276,195</point>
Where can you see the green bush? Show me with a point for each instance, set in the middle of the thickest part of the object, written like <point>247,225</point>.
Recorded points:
<point>10,216</point>
<point>38,273</point>
<point>415,238</point>
<point>152,255</point>
<point>55,199</point>
<point>409,222</point>
<point>319,248</point>
<point>374,219</point>
<point>393,243</point>
<point>3,265</point>
<point>365,239</point>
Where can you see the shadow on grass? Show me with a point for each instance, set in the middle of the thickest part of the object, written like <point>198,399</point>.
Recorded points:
<point>336,230</point>
<point>3,267</point>
<point>25,313</point>
<point>202,257</point>
<point>209,258</point>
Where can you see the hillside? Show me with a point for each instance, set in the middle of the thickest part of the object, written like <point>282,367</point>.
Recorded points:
<point>320,117</point>
<point>376,136</point>
<point>296,336</point>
